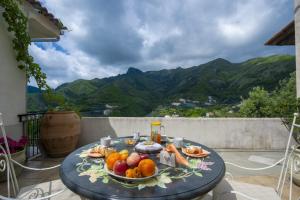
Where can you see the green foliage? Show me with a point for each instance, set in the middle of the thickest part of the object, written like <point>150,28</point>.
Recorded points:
<point>226,111</point>
<point>214,111</point>
<point>17,24</point>
<point>194,112</point>
<point>284,97</point>
<point>37,103</point>
<point>259,104</point>
<point>281,102</point>
<point>57,102</point>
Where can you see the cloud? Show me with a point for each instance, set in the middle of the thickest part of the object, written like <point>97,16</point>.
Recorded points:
<point>61,67</point>
<point>107,37</point>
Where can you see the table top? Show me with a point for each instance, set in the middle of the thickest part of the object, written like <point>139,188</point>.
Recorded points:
<point>88,178</point>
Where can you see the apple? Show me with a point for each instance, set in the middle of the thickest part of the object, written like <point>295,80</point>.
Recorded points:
<point>144,156</point>
<point>120,167</point>
<point>133,160</point>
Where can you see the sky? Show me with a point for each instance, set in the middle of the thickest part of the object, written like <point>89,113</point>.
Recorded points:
<point>105,38</point>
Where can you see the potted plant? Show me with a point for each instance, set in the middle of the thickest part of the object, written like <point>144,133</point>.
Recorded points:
<point>60,126</point>
<point>18,153</point>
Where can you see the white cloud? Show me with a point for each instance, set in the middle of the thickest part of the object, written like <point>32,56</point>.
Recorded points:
<point>61,67</point>
<point>246,23</point>
<point>107,37</point>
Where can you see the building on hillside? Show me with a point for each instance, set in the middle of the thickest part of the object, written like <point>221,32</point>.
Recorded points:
<point>176,104</point>
<point>210,101</point>
<point>107,112</point>
<point>110,106</point>
<point>42,27</point>
<point>209,114</point>
<point>182,100</point>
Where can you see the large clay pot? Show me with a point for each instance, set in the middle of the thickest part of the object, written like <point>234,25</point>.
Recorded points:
<point>60,132</point>
<point>20,157</point>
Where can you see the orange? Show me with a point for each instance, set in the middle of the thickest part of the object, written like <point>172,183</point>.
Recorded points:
<point>147,167</point>
<point>123,156</point>
<point>136,173</point>
<point>129,173</point>
<point>111,159</point>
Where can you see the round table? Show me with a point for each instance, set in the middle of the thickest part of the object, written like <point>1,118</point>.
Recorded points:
<point>87,177</point>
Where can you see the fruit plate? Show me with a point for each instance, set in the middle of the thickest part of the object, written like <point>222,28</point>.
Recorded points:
<point>130,179</point>
<point>199,155</point>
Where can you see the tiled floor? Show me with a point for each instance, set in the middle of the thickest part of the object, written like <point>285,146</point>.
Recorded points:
<point>264,178</point>
<point>29,177</point>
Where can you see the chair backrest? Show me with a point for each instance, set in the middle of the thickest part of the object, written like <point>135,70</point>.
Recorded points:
<point>6,163</point>
<point>288,161</point>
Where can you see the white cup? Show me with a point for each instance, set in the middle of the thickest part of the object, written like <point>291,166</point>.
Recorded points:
<point>164,138</point>
<point>178,142</point>
<point>136,136</point>
<point>105,141</point>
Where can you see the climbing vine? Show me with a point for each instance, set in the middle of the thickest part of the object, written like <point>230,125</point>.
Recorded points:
<point>17,25</point>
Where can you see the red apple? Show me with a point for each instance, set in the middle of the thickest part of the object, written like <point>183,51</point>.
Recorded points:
<point>133,160</point>
<point>120,167</point>
<point>144,156</point>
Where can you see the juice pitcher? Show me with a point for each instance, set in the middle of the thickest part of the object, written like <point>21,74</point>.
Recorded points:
<point>157,129</point>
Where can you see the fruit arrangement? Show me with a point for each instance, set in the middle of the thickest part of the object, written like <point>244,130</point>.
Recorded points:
<point>131,166</point>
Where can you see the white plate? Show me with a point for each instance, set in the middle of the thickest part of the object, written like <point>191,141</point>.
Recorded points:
<point>145,148</point>
<point>201,155</point>
<point>130,179</point>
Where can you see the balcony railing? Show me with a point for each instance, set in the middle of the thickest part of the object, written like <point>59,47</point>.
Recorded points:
<point>31,129</point>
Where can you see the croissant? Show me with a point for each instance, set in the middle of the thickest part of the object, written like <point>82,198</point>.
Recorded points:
<point>179,158</point>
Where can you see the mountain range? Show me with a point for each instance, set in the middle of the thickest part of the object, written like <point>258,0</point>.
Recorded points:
<point>137,93</point>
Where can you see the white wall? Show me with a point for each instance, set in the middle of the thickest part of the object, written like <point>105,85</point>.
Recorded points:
<point>244,133</point>
<point>12,84</point>
<point>297,44</point>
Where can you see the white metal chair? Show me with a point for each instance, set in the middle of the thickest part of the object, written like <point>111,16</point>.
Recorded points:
<point>246,190</point>
<point>36,193</point>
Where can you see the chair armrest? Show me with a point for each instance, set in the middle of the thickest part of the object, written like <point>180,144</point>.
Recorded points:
<point>35,169</point>
<point>255,169</point>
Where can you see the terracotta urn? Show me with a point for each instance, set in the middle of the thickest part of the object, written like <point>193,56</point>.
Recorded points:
<point>60,132</point>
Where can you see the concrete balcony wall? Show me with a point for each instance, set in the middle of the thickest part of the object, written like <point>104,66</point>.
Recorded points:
<point>231,133</point>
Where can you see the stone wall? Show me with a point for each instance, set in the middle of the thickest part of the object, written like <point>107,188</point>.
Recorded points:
<point>227,133</point>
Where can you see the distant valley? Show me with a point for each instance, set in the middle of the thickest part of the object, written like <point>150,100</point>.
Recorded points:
<point>137,93</point>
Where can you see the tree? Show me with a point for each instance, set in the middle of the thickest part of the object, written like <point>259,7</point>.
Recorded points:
<point>282,102</point>
<point>259,104</point>
<point>285,100</point>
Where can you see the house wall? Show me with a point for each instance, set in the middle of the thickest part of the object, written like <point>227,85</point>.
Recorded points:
<point>12,84</point>
<point>222,133</point>
<point>297,44</point>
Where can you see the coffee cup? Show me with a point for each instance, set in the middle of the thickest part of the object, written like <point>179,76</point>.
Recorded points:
<point>164,138</point>
<point>136,136</point>
<point>105,141</point>
<point>178,142</point>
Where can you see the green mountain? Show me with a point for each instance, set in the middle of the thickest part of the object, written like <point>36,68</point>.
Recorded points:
<point>137,93</point>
